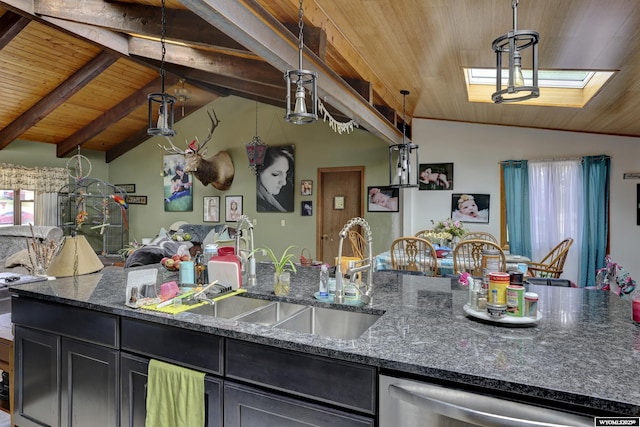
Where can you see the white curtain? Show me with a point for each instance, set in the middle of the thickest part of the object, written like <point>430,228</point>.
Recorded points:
<point>556,200</point>
<point>46,212</point>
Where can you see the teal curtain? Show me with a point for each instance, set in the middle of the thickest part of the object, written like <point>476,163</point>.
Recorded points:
<point>516,186</point>
<point>596,170</point>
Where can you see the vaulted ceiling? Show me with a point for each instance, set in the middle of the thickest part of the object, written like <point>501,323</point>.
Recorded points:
<point>76,73</point>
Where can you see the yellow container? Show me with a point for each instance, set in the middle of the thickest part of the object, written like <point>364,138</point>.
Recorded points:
<point>498,283</point>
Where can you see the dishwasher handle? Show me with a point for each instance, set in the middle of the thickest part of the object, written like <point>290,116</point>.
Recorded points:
<point>483,410</point>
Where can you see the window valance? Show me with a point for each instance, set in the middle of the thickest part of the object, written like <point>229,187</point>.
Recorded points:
<point>38,179</point>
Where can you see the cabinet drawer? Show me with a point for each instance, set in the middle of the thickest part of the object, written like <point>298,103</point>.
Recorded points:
<point>341,383</point>
<point>249,407</point>
<point>79,323</point>
<point>174,345</point>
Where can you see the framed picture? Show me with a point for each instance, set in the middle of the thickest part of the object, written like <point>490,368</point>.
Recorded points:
<point>211,207</point>
<point>127,188</point>
<point>136,200</point>
<point>233,206</point>
<point>435,176</point>
<point>306,187</point>
<point>275,181</point>
<point>383,199</point>
<point>470,207</point>
<point>178,185</point>
<point>307,208</point>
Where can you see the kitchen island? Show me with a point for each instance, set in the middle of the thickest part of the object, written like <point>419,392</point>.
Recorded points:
<point>580,357</point>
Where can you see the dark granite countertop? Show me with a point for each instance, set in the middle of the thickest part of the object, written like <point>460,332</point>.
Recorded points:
<point>583,351</point>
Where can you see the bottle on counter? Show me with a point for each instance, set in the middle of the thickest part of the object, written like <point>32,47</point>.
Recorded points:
<point>323,290</point>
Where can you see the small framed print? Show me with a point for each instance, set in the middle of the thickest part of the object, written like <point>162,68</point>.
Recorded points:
<point>338,203</point>
<point>307,208</point>
<point>233,206</point>
<point>383,199</point>
<point>211,207</point>
<point>306,187</point>
<point>136,200</point>
<point>127,188</point>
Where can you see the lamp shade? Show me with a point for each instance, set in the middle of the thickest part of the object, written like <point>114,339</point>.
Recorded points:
<point>75,258</point>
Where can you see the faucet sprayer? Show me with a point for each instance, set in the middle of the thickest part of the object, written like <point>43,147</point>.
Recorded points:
<point>367,295</point>
<point>244,221</point>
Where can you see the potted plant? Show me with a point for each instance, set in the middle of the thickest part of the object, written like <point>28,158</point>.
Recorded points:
<point>282,265</point>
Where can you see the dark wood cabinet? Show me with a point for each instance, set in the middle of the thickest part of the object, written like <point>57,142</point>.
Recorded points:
<point>133,380</point>
<point>249,407</point>
<point>37,371</point>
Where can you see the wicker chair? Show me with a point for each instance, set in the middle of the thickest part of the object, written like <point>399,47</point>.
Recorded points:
<point>414,254</point>
<point>479,235</point>
<point>552,264</point>
<point>467,256</point>
<point>358,244</point>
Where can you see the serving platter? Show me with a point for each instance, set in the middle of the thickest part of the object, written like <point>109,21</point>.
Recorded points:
<point>507,320</point>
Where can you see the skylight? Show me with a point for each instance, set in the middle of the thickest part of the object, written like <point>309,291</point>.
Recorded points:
<point>559,88</point>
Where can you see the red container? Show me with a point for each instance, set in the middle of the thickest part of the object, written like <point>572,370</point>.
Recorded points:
<point>226,250</point>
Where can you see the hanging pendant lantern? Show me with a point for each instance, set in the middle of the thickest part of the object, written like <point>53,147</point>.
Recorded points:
<point>403,158</point>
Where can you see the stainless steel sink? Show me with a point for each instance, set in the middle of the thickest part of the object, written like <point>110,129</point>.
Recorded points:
<point>328,322</point>
<point>228,308</point>
<point>322,321</point>
<point>272,313</point>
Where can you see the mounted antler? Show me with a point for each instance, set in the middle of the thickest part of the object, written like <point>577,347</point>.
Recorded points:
<point>217,170</point>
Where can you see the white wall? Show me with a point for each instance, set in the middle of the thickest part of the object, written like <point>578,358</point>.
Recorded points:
<point>476,150</point>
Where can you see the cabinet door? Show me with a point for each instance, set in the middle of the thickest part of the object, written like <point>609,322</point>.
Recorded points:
<point>133,381</point>
<point>248,407</point>
<point>37,395</point>
<point>89,385</point>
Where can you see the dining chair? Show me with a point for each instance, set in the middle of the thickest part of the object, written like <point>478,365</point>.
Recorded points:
<point>467,256</point>
<point>358,244</point>
<point>552,265</point>
<point>414,254</point>
<point>423,233</point>
<point>479,235</point>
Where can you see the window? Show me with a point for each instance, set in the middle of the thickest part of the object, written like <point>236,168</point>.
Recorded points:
<point>17,207</point>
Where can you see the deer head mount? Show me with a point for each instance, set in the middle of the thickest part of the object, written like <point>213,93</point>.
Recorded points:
<point>217,170</point>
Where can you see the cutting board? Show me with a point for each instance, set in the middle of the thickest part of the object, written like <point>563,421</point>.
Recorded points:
<point>226,272</point>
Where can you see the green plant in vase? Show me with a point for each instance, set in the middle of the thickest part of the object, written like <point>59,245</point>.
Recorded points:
<point>283,266</point>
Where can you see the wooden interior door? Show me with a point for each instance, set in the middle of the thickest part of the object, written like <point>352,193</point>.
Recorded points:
<point>336,185</point>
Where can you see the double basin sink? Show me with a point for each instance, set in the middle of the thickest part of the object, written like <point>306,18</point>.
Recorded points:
<point>328,322</point>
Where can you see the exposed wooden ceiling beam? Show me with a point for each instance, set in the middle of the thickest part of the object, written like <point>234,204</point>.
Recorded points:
<point>110,117</point>
<point>249,24</point>
<point>56,97</point>
<point>181,25</point>
<point>10,26</point>
<point>240,68</point>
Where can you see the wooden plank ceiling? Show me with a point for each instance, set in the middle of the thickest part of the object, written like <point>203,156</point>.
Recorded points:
<point>77,72</point>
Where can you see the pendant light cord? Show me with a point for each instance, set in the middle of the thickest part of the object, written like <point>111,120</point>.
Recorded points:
<point>163,22</point>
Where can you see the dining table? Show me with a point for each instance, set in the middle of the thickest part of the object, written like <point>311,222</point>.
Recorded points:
<point>445,264</point>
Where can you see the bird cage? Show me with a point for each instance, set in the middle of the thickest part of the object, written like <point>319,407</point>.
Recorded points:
<point>96,210</point>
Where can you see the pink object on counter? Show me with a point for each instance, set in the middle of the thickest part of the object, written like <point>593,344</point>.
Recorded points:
<point>168,290</point>
<point>636,310</point>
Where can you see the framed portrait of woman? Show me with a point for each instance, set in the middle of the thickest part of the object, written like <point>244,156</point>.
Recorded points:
<point>233,206</point>
<point>468,207</point>
<point>211,206</point>
<point>274,180</point>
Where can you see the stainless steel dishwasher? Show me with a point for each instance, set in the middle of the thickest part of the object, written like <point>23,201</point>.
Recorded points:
<point>405,402</point>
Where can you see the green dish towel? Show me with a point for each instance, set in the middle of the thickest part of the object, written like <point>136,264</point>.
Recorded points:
<point>175,396</point>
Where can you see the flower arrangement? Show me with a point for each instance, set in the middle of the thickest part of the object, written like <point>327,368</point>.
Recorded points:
<point>454,228</point>
<point>438,237</point>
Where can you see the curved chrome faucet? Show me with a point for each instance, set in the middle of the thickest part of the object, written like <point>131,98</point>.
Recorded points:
<point>244,221</point>
<point>367,295</point>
